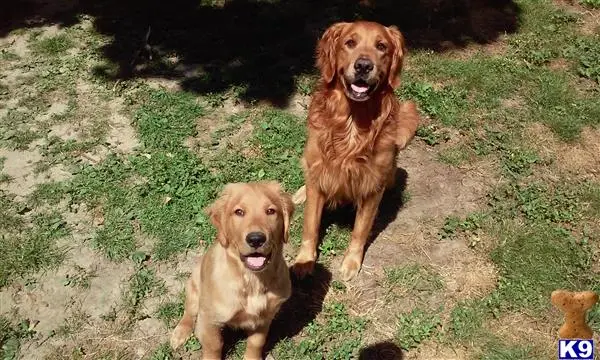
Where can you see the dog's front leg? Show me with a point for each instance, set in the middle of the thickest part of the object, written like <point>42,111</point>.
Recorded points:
<point>256,342</point>
<point>365,216</point>
<point>210,337</point>
<point>313,210</point>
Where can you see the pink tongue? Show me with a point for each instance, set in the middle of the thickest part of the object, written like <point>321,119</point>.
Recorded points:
<point>359,89</point>
<point>256,261</point>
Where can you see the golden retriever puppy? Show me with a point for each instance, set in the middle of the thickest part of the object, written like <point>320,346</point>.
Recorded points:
<point>356,126</point>
<point>242,279</point>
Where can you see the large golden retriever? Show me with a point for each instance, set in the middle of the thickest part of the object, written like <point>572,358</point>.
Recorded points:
<point>242,279</point>
<point>356,126</point>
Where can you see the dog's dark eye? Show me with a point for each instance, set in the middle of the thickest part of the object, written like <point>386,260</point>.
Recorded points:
<point>270,211</point>
<point>381,47</point>
<point>350,43</point>
<point>239,212</point>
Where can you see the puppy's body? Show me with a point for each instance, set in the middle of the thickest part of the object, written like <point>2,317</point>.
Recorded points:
<point>247,300</point>
<point>356,126</point>
<point>225,288</point>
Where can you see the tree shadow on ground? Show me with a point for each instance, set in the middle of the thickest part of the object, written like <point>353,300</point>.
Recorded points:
<point>259,47</point>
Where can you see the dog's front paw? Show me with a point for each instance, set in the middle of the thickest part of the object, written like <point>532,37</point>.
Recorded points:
<point>305,263</point>
<point>350,266</point>
<point>180,335</point>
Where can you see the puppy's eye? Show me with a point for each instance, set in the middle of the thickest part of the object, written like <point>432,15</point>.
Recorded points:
<point>350,44</point>
<point>270,211</point>
<point>381,47</point>
<point>239,212</point>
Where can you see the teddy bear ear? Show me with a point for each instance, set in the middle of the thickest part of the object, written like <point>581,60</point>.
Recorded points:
<point>558,298</point>
<point>589,299</point>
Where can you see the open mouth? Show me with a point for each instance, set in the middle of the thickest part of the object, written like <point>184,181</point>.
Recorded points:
<point>359,90</point>
<point>256,261</point>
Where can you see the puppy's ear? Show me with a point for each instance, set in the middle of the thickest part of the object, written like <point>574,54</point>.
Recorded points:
<point>287,207</point>
<point>397,56</point>
<point>326,48</point>
<point>216,213</point>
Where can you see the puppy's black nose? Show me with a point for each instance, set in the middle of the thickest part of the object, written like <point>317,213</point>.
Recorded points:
<point>256,239</point>
<point>363,65</point>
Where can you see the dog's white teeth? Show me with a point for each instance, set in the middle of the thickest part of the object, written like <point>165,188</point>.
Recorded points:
<point>256,261</point>
<point>359,89</point>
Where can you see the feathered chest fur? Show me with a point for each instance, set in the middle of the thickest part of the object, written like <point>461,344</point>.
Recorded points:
<point>352,161</point>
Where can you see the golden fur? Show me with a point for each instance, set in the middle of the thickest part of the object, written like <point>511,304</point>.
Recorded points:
<point>353,136</point>
<point>223,289</point>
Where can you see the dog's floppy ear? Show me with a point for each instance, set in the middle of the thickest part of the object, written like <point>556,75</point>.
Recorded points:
<point>326,59</point>
<point>288,211</point>
<point>216,213</point>
<point>397,56</point>
<point>287,207</point>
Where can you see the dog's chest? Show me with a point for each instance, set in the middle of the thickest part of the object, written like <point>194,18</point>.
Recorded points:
<point>256,305</point>
<point>352,164</point>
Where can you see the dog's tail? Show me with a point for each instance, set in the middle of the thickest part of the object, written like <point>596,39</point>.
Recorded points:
<point>300,196</point>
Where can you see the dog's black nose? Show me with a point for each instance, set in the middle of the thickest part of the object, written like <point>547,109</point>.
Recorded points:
<point>363,65</point>
<point>256,239</point>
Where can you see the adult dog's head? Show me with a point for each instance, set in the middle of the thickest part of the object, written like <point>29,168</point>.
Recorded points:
<point>252,221</point>
<point>363,57</point>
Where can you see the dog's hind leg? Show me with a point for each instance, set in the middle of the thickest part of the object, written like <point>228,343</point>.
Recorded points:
<point>300,196</point>
<point>192,303</point>
<point>408,121</point>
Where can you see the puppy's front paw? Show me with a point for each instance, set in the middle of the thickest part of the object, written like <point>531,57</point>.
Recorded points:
<point>305,263</point>
<point>350,265</point>
<point>180,335</point>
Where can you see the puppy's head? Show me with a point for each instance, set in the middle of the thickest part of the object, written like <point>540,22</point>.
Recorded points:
<point>252,221</point>
<point>364,57</point>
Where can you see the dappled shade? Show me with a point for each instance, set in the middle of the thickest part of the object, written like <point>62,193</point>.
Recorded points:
<point>258,46</point>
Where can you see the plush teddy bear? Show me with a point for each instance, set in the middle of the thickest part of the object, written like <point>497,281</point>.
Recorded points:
<point>575,305</point>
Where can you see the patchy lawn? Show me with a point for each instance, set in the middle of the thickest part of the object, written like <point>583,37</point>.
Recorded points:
<point>104,177</point>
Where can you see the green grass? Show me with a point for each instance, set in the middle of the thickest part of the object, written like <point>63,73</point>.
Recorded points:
<point>142,284</point>
<point>334,242</point>
<point>555,104</point>
<point>445,104</point>
<point>163,352</point>
<point>533,261</point>
<point>586,52</point>
<point>7,55</point>
<point>466,319</point>
<point>497,350</point>
<point>336,336</point>
<point>413,278</point>
<point>170,312</point>
<point>415,327</point>
<point>4,178</point>
<point>52,46</point>
<point>595,4</point>
<point>11,336</point>
<point>454,225</point>
<point>79,277</point>
<point>431,135</point>
<point>24,251</point>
